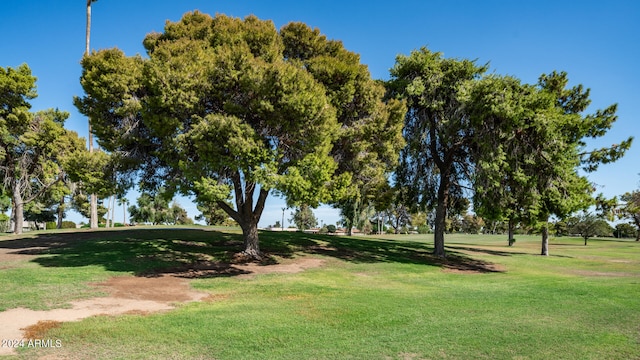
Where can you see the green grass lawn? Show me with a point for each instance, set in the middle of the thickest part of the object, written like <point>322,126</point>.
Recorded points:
<point>375,297</point>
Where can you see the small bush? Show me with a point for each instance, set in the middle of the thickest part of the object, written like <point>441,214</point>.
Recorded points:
<point>68,225</point>
<point>424,229</point>
<point>5,226</point>
<point>331,229</point>
<point>50,225</point>
<point>118,225</point>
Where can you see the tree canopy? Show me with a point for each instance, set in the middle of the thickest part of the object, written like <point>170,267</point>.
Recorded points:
<point>437,159</point>
<point>226,108</point>
<point>517,148</point>
<point>34,147</point>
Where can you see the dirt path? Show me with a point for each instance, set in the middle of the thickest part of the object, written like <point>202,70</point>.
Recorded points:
<point>128,294</point>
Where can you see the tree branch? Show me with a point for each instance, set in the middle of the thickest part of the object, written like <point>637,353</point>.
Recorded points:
<point>234,214</point>
<point>262,198</point>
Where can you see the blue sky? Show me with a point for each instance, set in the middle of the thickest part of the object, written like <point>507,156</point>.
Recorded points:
<point>596,42</point>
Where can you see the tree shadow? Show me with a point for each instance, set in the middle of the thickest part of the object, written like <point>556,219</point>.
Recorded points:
<point>483,249</point>
<point>203,253</point>
<point>143,252</point>
<point>372,250</point>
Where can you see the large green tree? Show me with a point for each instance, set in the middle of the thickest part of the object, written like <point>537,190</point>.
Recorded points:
<point>530,149</point>
<point>436,163</point>
<point>34,148</point>
<point>504,111</point>
<point>225,106</point>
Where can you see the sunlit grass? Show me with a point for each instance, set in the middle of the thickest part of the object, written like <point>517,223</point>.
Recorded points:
<point>373,299</point>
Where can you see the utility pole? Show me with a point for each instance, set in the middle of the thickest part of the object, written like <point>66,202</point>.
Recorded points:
<point>93,199</point>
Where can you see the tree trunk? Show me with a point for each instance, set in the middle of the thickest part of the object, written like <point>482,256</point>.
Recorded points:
<point>251,241</point>
<point>511,241</point>
<point>545,240</point>
<point>18,210</point>
<point>60,213</point>
<point>93,215</point>
<point>108,219</point>
<point>441,215</point>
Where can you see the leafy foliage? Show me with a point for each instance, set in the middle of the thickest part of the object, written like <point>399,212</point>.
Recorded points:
<point>631,209</point>
<point>226,108</point>
<point>398,217</point>
<point>34,148</point>
<point>155,209</point>
<point>589,225</point>
<point>304,218</point>
<point>437,158</point>
<point>519,147</point>
<point>213,214</point>
<point>625,230</point>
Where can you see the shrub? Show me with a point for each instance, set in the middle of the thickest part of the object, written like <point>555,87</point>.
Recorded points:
<point>5,226</point>
<point>68,225</point>
<point>331,229</point>
<point>424,229</point>
<point>51,225</point>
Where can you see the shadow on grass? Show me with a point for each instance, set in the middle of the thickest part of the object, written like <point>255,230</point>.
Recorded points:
<point>484,250</point>
<point>209,253</point>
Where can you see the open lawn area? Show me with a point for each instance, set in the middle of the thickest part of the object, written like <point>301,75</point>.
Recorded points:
<point>325,297</point>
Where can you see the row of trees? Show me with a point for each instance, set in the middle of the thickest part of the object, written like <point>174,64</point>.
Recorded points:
<point>398,219</point>
<point>517,148</point>
<point>231,110</point>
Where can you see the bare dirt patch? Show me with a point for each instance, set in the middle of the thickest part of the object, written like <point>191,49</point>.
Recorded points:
<point>8,255</point>
<point>132,295</point>
<point>299,265</point>
<point>165,288</point>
